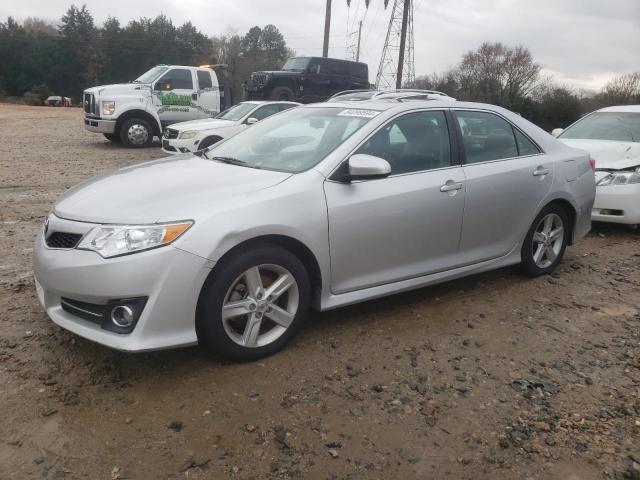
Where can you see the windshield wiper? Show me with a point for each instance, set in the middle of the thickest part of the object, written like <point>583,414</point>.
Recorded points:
<point>233,161</point>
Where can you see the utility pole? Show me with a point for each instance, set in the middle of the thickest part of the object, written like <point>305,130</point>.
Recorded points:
<point>403,41</point>
<point>327,27</point>
<point>359,34</point>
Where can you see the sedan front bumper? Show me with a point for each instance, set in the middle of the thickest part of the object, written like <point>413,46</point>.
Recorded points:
<point>170,278</point>
<point>175,146</point>
<point>617,204</point>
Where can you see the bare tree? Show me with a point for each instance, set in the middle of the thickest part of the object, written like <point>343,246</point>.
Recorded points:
<point>624,89</point>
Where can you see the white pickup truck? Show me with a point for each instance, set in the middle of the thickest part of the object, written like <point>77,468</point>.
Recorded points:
<point>133,113</point>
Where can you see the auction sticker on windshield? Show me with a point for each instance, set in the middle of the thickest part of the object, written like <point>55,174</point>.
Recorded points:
<point>356,112</point>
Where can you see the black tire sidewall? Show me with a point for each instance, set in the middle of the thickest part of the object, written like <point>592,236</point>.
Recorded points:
<point>112,137</point>
<point>207,142</point>
<point>278,91</point>
<point>209,327</point>
<point>528,264</point>
<point>125,127</point>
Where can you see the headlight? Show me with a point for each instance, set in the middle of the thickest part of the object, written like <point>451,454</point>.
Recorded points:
<point>188,134</point>
<point>620,178</point>
<point>108,108</point>
<point>112,241</point>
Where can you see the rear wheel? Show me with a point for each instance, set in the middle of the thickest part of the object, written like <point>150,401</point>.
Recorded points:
<point>282,94</point>
<point>253,304</point>
<point>546,241</point>
<point>136,133</point>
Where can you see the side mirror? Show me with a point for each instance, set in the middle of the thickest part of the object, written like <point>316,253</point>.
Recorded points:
<point>557,131</point>
<point>363,167</point>
<point>251,120</point>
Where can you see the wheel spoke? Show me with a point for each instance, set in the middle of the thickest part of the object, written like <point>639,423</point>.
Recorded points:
<point>537,256</point>
<point>556,234</point>
<point>280,316</point>
<point>235,309</point>
<point>538,237</point>
<point>254,282</point>
<point>551,254</point>
<point>251,331</point>
<point>548,224</point>
<point>281,285</point>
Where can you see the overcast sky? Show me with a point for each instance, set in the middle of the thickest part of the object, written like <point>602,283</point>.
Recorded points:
<point>580,42</point>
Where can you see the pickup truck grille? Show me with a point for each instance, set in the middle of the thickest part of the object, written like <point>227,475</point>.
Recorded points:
<point>171,133</point>
<point>89,104</point>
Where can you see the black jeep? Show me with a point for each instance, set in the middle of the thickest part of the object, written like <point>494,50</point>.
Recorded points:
<point>307,79</point>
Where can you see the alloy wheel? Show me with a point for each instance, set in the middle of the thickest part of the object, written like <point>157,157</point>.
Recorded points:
<point>547,241</point>
<point>260,305</point>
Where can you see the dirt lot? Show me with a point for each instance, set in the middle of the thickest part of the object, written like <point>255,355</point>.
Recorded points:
<point>429,384</point>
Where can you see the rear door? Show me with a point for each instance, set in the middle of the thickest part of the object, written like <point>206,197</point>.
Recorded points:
<point>405,225</point>
<point>175,96</point>
<point>208,94</point>
<point>507,178</point>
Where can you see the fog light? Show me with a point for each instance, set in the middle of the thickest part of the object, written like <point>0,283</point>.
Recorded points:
<point>122,316</point>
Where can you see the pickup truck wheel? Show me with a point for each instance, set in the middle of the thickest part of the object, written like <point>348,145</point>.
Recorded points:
<point>282,94</point>
<point>112,137</point>
<point>136,133</point>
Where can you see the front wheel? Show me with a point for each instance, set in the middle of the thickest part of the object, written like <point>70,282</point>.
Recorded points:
<point>136,133</point>
<point>253,303</point>
<point>112,137</point>
<point>546,241</point>
<point>283,94</point>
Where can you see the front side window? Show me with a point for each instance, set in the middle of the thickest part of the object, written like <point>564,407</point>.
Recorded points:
<point>294,141</point>
<point>412,143</point>
<point>176,79</point>
<point>266,111</point>
<point>486,137</point>
<point>615,126</point>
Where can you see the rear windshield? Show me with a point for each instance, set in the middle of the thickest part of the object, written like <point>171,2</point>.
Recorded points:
<point>616,126</point>
<point>236,112</point>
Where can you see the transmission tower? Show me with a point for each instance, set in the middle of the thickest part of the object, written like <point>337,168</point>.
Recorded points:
<point>401,15</point>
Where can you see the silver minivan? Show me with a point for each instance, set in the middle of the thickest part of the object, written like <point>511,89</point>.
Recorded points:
<point>318,207</point>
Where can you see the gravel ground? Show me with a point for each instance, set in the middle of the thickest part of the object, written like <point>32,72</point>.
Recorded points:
<point>493,376</point>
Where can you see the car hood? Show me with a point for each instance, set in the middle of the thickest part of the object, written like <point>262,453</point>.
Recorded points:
<point>118,88</point>
<point>174,188</point>
<point>608,154</point>
<point>203,124</point>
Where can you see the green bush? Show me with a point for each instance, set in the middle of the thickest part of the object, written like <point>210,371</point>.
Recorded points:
<point>37,95</point>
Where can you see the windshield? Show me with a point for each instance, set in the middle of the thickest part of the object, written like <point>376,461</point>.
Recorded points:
<point>292,141</point>
<point>236,112</point>
<point>151,75</point>
<point>616,126</point>
<point>296,64</point>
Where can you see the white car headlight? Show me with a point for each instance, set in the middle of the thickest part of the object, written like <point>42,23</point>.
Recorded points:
<point>620,178</point>
<point>112,241</point>
<point>188,134</point>
<point>108,107</point>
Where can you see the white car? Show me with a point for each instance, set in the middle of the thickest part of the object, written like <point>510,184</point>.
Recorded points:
<point>185,137</point>
<point>612,137</point>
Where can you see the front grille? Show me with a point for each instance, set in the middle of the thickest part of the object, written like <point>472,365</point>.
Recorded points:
<point>89,103</point>
<point>171,133</point>
<point>63,240</point>
<point>259,78</point>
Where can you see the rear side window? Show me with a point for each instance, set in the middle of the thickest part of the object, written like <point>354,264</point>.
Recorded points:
<point>486,137</point>
<point>178,78</point>
<point>204,79</point>
<point>412,143</point>
<point>525,146</point>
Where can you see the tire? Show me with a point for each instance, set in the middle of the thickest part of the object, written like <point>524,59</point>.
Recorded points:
<point>541,254</point>
<point>207,142</point>
<point>136,133</point>
<point>282,94</point>
<point>112,137</point>
<point>230,334</point>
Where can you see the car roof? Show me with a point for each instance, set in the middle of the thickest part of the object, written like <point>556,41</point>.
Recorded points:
<point>383,105</point>
<point>622,109</point>
<point>267,102</point>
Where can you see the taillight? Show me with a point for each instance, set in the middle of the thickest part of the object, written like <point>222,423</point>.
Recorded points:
<point>592,163</point>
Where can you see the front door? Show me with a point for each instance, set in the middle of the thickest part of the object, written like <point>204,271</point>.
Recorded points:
<point>318,80</point>
<point>405,225</point>
<point>175,96</point>
<point>507,178</point>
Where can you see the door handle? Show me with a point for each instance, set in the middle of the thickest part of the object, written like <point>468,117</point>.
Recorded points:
<point>540,171</point>
<point>451,186</point>
<point>194,96</point>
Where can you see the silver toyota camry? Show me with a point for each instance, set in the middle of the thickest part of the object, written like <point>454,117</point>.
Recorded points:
<point>317,207</point>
